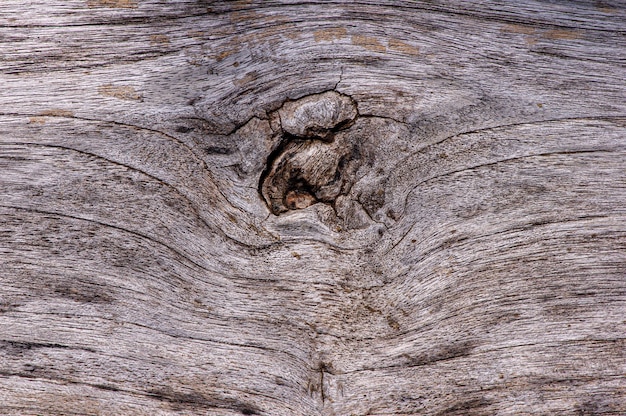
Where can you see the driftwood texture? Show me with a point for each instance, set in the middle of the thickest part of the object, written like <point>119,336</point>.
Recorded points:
<point>296,208</point>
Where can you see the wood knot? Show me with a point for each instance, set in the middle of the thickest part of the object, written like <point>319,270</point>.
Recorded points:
<point>314,162</point>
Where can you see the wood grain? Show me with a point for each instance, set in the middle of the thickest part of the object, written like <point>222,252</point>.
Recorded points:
<point>456,245</point>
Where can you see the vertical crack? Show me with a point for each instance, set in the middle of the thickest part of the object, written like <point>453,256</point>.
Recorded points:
<point>322,393</point>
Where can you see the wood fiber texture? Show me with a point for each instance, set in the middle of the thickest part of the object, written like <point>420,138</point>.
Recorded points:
<point>307,208</point>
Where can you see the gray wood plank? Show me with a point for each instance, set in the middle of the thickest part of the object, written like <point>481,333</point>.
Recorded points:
<point>297,208</point>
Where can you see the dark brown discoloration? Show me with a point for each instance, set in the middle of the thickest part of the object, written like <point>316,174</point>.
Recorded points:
<point>183,129</point>
<point>85,293</point>
<point>194,400</point>
<point>106,387</point>
<point>219,150</point>
<point>444,353</point>
<point>20,347</point>
<point>472,407</point>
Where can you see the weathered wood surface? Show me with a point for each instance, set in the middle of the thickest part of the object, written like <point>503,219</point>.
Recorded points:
<point>458,243</point>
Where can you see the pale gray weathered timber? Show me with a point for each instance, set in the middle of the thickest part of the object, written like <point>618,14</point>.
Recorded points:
<point>303,208</point>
